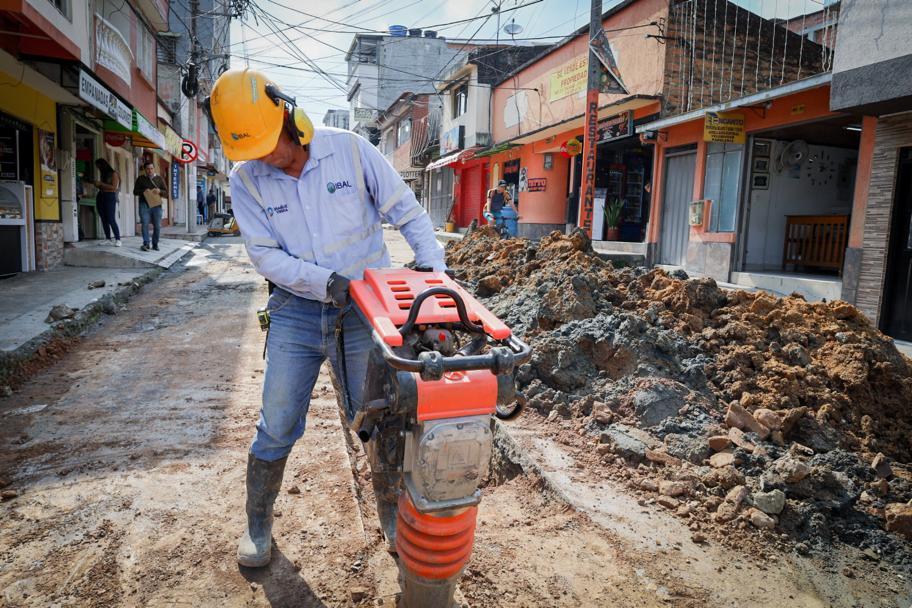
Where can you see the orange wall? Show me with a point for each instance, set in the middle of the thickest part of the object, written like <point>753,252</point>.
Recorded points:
<point>793,109</point>
<point>640,61</point>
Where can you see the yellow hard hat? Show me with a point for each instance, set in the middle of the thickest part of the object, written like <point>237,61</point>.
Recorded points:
<point>249,112</point>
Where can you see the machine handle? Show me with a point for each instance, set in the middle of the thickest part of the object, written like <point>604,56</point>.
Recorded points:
<point>433,365</point>
<point>460,309</point>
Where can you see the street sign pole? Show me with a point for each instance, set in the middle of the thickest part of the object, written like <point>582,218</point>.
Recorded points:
<point>587,201</point>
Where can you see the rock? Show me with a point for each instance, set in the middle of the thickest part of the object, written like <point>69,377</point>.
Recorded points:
<point>790,418</point>
<point>737,437</point>
<point>737,495</point>
<point>791,469</point>
<point>899,519</point>
<point>881,466</point>
<point>604,448</point>
<point>848,572</point>
<point>718,443</point>
<point>357,594</point>
<point>724,477</point>
<point>761,520</point>
<point>711,503</point>
<point>601,413</point>
<point>649,485</point>
<point>777,437</point>
<point>658,401</point>
<point>60,312</point>
<point>96,284</point>
<point>4,482</point>
<point>294,490</point>
<point>9,494</point>
<point>668,502</point>
<point>737,416</point>
<point>254,586</point>
<point>629,442</point>
<point>672,488</point>
<point>721,459</point>
<point>881,487</point>
<point>771,502</point>
<point>726,512</point>
<point>698,537</point>
<point>691,448</point>
<point>768,418</point>
<point>661,458</point>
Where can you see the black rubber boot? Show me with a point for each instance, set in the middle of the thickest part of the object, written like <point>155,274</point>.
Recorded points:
<point>263,482</point>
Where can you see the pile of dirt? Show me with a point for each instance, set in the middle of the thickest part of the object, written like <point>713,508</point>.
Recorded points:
<point>781,413</point>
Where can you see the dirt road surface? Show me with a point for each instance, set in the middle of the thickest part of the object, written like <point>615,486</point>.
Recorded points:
<point>128,457</point>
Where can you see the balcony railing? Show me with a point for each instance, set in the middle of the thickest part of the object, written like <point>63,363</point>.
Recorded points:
<point>112,51</point>
<point>718,51</point>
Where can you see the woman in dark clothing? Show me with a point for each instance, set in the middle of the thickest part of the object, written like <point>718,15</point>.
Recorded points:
<point>106,199</point>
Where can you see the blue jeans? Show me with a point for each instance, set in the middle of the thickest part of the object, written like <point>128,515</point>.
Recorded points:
<point>150,215</point>
<point>302,334</point>
<point>106,203</point>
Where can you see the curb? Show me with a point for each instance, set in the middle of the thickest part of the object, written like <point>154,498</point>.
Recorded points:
<point>13,363</point>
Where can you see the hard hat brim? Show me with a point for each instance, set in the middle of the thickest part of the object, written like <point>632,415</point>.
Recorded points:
<point>252,150</point>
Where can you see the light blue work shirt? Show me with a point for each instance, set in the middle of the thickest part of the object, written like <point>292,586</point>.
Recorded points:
<point>299,231</point>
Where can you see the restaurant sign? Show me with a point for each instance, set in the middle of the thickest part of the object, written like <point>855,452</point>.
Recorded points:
<point>724,127</point>
<point>98,96</point>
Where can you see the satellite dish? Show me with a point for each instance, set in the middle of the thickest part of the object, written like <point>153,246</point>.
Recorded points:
<point>513,28</point>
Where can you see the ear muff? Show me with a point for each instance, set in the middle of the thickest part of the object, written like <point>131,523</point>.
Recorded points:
<point>301,123</point>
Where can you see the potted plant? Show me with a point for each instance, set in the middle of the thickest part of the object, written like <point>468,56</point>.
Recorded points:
<point>613,219</point>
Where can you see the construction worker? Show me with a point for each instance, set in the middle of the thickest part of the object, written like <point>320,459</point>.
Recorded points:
<point>309,203</point>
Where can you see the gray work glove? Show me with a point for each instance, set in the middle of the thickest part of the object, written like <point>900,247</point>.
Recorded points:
<point>337,290</point>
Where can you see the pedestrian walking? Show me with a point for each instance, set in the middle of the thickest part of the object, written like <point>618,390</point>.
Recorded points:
<point>210,203</point>
<point>151,190</point>
<point>201,204</point>
<point>310,204</point>
<point>106,199</point>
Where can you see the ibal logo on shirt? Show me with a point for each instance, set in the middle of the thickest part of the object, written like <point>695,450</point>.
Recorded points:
<point>270,211</point>
<point>331,187</point>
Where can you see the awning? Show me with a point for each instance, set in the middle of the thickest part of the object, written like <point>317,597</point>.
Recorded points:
<point>143,134</point>
<point>443,162</point>
<point>495,150</point>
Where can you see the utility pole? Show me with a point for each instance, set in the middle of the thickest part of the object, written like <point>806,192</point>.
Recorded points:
<point>192,109</point>
<point>587,201</point>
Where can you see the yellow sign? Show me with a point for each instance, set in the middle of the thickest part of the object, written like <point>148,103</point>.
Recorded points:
<point>569,79</point>
<point>723,127</point>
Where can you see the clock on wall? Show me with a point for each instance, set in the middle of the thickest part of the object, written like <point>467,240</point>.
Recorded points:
<point>819,168</point>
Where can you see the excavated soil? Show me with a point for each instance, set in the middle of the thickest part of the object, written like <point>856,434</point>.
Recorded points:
<point>804,400</point>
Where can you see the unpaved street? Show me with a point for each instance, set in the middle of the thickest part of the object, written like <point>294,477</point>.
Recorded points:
<point>128,456</point>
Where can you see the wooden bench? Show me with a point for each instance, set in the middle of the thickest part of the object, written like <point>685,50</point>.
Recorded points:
<point>815,241</point>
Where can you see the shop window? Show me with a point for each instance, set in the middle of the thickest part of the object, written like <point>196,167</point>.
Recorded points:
<point>721,181</point>
<point>460,100</point>
<point>403,131</point>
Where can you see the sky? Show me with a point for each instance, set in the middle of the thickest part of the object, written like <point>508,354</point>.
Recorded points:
<point>307,31</point>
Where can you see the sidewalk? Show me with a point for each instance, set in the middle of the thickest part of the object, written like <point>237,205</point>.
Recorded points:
<point>199,233</point>
<point>27,298</point>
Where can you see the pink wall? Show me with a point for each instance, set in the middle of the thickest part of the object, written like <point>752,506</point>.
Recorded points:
<point>641,62</point>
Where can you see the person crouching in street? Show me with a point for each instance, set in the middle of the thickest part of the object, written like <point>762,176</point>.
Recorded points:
<point>309,203</point>
<point>151,190</point>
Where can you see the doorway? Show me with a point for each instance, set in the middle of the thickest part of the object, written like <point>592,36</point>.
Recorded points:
<point>678,192</point>
<point>897,321</point>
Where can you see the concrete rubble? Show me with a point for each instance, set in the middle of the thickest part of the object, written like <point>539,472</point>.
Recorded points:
<point>774,414</point>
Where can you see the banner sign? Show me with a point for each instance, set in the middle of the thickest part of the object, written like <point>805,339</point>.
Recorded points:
<point>175,181</point>
<point>536,184</point>
<point>452,140</point>
<point>569,79</point>
<point>363,114</point>
<point>724,127</point>
<point>147,129</point>
<point>615,127</point>
<point>173,141</point>
<point>98,96</point>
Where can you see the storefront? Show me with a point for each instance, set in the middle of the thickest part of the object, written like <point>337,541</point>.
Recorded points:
<point>465,186</point>
<point>30,231</point>
<point>759,195</point>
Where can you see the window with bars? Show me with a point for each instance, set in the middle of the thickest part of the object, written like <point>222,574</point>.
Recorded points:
<point>167,48</point>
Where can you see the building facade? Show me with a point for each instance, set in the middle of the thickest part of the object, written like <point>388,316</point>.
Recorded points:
<point>336,118</point>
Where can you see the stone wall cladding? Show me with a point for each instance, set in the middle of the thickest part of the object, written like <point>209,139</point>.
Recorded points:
<point>893,133</point>
<point>48,245</point>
